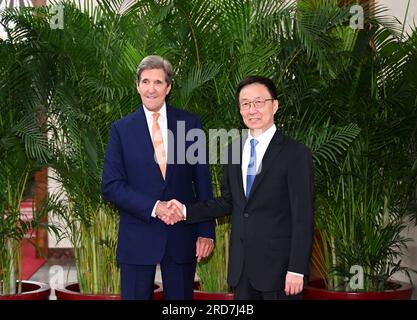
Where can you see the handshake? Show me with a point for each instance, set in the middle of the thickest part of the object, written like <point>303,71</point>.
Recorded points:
<point>170,212</point>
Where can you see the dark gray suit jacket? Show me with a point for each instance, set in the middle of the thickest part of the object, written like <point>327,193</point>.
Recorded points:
<point>272,231</point>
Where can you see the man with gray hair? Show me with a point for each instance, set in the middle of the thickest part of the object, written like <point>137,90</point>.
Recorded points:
<point>138,179</point>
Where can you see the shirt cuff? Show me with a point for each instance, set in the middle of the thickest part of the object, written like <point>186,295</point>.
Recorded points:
<point>184,211</point>
<point>296,274</point>
<point>153,214</point>
<point>212,240</point>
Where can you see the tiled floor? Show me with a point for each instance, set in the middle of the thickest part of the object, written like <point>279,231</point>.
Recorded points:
<point>57,274</point>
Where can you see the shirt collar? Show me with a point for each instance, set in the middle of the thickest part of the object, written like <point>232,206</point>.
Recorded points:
<point>265,137</point>
<point>162,112</point>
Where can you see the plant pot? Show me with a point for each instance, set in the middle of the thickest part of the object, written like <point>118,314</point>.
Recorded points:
<point>315,290</point>
<point>203,295</point>
<point>31,290</point>
<point>72,292</point>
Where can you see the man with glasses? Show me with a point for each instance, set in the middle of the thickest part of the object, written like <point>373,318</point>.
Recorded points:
<point>270,198</point>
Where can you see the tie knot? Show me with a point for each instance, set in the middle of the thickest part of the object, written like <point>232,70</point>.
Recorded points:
<point>155,116</point>
<point>253,143</point>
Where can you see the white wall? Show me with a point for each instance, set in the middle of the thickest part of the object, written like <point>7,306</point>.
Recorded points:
<point>409,258</point>
<point>55,188</point>
<point>398,8</point>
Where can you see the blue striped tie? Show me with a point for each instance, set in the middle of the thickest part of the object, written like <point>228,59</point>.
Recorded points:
<point>250,177</point>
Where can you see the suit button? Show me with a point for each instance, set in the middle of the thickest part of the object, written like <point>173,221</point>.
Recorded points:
<point>246,215</point>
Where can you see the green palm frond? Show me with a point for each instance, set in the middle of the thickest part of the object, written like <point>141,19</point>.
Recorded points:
<point>329,143</point>
<point>195,79</point>
<point>34,139</point>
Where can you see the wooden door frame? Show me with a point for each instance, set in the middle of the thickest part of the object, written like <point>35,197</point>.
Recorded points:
<point>41,192</point>
<point>38,3</point>
<point>371,3</point>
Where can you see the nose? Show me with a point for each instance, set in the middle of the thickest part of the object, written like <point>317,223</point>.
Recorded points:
<point>151,87</point>
<point>252,108</point>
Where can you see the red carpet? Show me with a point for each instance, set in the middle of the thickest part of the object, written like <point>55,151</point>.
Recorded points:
<point>30,263</point>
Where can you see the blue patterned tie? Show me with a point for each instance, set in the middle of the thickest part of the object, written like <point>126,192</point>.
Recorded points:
<point>250,177</point>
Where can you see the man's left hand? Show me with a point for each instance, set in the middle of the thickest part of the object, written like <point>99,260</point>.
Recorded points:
<point>204,247</point>
<point>293,284</point>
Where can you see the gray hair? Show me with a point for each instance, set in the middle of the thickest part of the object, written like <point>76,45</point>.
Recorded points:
<point>155,62</point>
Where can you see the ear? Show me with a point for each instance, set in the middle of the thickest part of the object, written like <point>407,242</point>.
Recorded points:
<point>137,86</point>
<point>168,90</point>
<point>276,105</point>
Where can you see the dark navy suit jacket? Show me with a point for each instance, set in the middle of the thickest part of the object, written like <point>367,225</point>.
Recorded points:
<point>132,181</point>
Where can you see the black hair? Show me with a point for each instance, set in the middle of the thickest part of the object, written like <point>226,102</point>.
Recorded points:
<point>267,82</point>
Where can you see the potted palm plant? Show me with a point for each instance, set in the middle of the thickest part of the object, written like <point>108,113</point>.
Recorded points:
<point>93,74</point>
<point>366,199</point>
<point>23,150</point>
<point>360,222</point>
<point>77,136</point>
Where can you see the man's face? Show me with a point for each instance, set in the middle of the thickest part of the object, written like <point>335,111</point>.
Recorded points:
<point>261,118</point>
<point>153,88</point>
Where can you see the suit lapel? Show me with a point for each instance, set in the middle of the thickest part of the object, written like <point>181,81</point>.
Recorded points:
<point>238,171</point>
<point>274,148</point>
<point>141,131</point>
<point>171,145</point>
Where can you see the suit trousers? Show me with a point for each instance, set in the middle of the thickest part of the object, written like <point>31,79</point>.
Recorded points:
<point>245,291</point>
<point>137,281</point>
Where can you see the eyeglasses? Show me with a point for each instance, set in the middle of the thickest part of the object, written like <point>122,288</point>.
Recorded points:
<point>258,104</point>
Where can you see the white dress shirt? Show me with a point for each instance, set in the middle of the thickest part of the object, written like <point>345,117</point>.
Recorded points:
<point>263,142</point>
